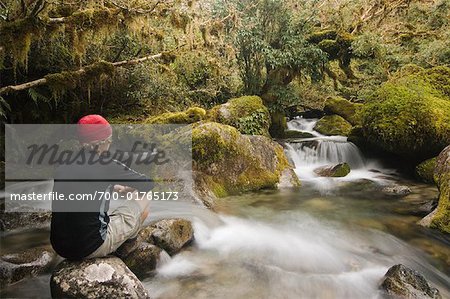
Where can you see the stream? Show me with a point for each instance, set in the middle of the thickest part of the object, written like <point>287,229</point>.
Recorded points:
<point>330,238</point>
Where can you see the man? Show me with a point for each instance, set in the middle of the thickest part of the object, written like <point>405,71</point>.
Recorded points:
<point>83,228</point>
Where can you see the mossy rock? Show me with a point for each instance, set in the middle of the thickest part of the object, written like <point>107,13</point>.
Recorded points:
<point>425,170</point>
<point>247,114</point>
<point>336,171</point>
<point>343,107</point>
<point>441,218</point>
<point>227,162</point>
<point>192,115</point>
<point>333,125</point>
<point>410,115</point>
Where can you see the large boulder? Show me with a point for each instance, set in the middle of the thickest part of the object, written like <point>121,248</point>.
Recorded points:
<point>106,277</point>
<point>339,170</point>
<point>410,114</point>
<point>247,114</point>
<point>344,108</point>
<point>425,170</point>
<point>440,218</point>
<point>30,262</point>
<point>29,219</point>
<point>333,125</point>
<point>403,282</point>
<point>169,234</point>
<point>227,162</point>
<point>189,116</point>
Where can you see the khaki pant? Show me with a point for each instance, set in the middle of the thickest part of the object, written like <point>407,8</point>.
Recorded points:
<point>124,223</point>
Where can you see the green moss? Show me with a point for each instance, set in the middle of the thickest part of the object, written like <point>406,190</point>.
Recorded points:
<point>410,115</point>
<point>248,114</point>
<point>318,36</point>
<point>232,163</point>
<point>343,107</point>
<point>17,36</point>
<point>331,47</point>
<point>441,218</point>
<point>425,170</point>
<point>192,115</point>
<point>333,125</point>
<point>341,170</point>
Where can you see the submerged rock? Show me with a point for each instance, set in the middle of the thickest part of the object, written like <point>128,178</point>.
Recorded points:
<point>294,134</point>
<point>440,217</point>
<point>396,190</point>
<point>339,170</point>
<point>344,108</point>
<point>410,115</point>
<point>169,234</point>
<point>403,282</point>
<point>247,114</point>
<point>333,125</point>
<point>227,162</point>
<point>30,262</point>
<point>106,277</point>
<point>425,170</point>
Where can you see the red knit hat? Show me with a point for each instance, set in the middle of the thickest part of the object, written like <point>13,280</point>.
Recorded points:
<point>93,128</point>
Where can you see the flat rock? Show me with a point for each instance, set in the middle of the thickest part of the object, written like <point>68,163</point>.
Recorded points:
<point>396,190</point>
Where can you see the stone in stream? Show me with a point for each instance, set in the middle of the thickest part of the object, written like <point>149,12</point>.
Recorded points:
<point>344,108</point>
<point>403,282</point>
<point>339,170</point>
<point>30,262</point>
<point>106,277</point>
<point>396,190</point>
<point>26,219</point>
<point>169,234</point>
<point>143,258</point>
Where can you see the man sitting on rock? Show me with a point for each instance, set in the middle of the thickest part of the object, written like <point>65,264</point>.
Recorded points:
<point>83,228</point>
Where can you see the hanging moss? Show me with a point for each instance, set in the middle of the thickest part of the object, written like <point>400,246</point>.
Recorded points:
<point>93,19</point>
<point>62,81</point>
<point>319,36</point>
<point>67,80</point>
<point>16,37</point>
<point>94,71</point>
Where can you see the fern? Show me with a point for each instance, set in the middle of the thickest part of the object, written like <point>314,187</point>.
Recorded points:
<point>4,106</point>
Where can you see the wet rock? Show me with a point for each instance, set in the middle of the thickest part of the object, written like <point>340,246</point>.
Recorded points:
<point>333,125</point>
<point>29,219</point>
<point>106,277</point>
<point>30,262</point>
<point>143,258</point>
<point>288,178</point>
<point>440,217</point>
<point>294,134</point>
<point>169,234</point>
<point>396,190</point>
<point>403,282</point>
<point>339,170</point>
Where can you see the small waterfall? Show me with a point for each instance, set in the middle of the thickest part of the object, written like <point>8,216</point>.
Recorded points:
<point>308,154</point>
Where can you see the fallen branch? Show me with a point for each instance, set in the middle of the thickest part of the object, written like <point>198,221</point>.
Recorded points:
<point>81,71</point>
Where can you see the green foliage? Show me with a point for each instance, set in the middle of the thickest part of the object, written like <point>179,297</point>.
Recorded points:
<point>189,116</point>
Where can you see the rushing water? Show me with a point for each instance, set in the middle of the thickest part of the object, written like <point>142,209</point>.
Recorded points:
<point>331,238</point>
